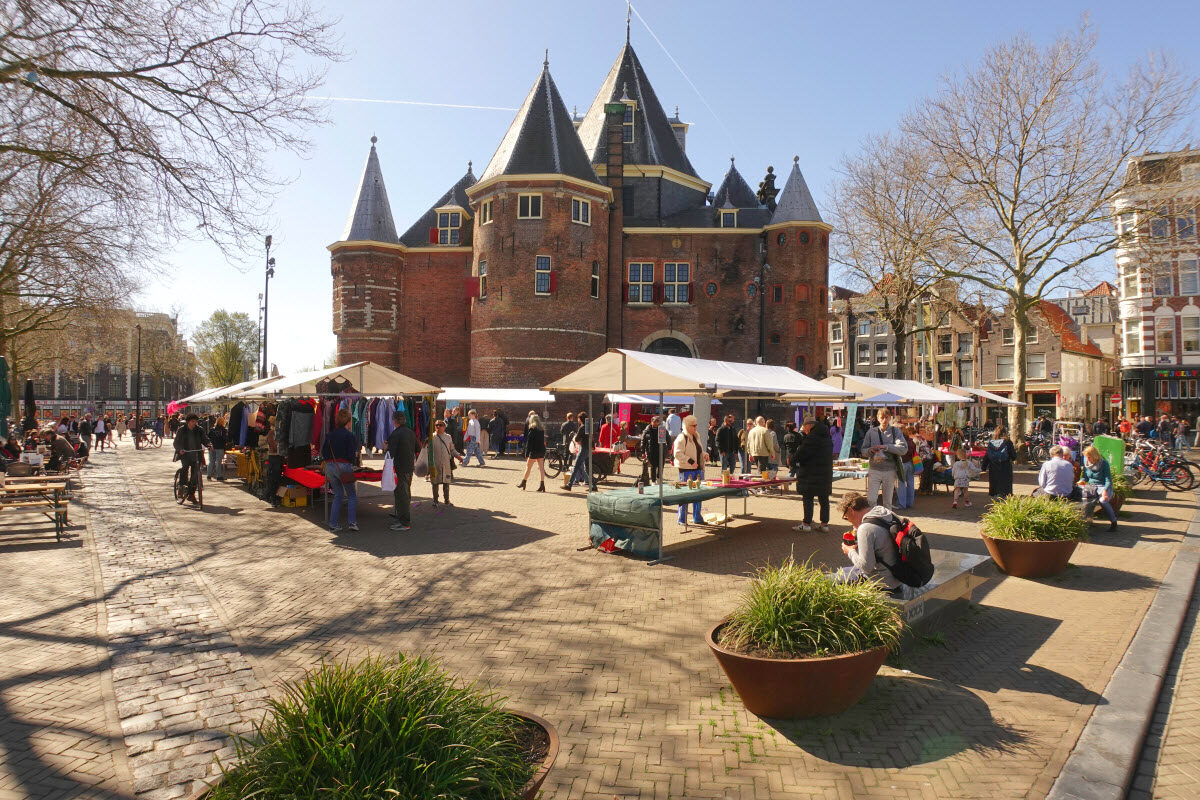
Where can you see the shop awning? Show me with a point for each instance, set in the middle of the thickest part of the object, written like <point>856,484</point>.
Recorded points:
<point>367,378</point>
<point>465,394</point>
<point>980,393</point>
<point>634,372</point>
<point>224,392</point>
<point>892,391</point>
<point>644,399</point>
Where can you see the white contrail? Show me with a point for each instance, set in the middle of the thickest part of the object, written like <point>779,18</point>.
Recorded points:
<point>410,103</point>
<point>695,88</point>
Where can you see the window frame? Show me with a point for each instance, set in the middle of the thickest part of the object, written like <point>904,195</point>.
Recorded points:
<point>835,331</point>
<point>1164,325</point>
<point>1192,270</point>
<point>1008,336</point>
<point>881,329</point>
<point>838,358</point>
<point>530,196</point>
<point>1160,223</point>
<point>1030,360</point>
<point>581,211</point>
<point>449,234</point>
<point>1185,224</point>
<point>776,293</point>
<point>1132,327</point>
<point>864,327</point>
<point>482,279</point>
<point>594,285</point>
<point>882,347</point>
<point>1131,273</point>
<point>538,272</point>
<point>1005,361</point>
<point>1032,336</point>
<point>673,288</point>
<point>966,342</point>
<point>1162,272</point>
<point>729,215</point>
<point>643,285</point>
<point>627,122</point>
<point>485,212</point>
<point>864,349</point>
<point>1184,320</point>
<point>945,368</point>
<point>946,339</point>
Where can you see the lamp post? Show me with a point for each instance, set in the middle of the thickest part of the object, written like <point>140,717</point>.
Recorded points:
<point>258,340</point>
<point>262,372</point>
<point>137,402</point>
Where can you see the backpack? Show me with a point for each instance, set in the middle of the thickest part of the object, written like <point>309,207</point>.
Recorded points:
<point>997,455</point>
<point>915,566</point>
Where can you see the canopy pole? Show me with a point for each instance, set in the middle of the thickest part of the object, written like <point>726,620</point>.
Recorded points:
<point>661,465</point>
<point>591,444</point>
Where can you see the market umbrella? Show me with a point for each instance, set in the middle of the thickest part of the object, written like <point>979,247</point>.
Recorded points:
<point>5,397</point>
<point>30,417</point>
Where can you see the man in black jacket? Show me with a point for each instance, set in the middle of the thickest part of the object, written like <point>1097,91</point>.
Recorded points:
<point>190,443</point>
<point>727,445</point>
<point>402,447</point>
<point>498,432</point>
<point>652,450</point>
<point>814,463</point>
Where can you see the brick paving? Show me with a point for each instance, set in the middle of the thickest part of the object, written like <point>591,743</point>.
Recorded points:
<point>612,650</point>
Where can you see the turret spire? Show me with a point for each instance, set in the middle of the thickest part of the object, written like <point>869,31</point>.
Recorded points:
<point>371,214</point>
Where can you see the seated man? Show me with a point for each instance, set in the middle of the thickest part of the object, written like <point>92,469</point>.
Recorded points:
<point>61,452</point>
<point>873,549</point>
<point>1057,476</point>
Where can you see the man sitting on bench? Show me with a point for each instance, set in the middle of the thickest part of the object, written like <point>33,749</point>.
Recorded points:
<point>61,452</point>
<point>1057,476</point>
<point>869,546</point>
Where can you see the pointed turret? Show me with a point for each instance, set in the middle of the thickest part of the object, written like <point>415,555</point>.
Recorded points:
<point>649,138</point>
<point>734,192</point>
<point>795,203</point>
<point>371,214</point>
<point>541,139</point>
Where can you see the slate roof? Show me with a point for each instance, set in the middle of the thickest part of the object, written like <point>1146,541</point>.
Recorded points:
<point>795,203</point>
<point>1064,328</point>
<point>371,214</point>
<point>654,141</point>
<point>418,234</point>
<point>734,191</point>
<point>541,139</point>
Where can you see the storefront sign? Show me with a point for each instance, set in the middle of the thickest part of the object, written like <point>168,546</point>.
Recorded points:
<point>1177,373</point>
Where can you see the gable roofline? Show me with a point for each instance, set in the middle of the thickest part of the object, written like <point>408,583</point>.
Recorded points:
<point>1063,326</point>
<point>418,234</point>
<point>370,217</point>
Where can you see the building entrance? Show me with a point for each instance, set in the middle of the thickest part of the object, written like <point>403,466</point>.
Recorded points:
<point>669,346</point>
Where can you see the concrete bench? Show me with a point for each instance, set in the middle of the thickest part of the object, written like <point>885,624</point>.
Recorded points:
<point>955,576</point>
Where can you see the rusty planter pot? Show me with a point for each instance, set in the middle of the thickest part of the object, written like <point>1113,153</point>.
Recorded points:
<point>1022,559</point>
<point>531,788</point>
<point>795,688</point>
<point>1117,502</point>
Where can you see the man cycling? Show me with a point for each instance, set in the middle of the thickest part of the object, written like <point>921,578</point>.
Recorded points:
<point>190,443</point>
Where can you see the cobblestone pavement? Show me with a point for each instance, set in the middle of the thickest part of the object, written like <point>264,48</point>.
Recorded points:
<point>1170,765</point>
<point>612,650</point>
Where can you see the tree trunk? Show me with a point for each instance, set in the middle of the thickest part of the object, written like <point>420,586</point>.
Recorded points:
<point>1016,414</point>
<point>901,353</point>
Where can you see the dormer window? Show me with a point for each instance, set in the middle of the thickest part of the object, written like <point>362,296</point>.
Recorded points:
<point>627,125</point>
<point>728,219</point>
<point>485,212</point>
<point>449,227</point>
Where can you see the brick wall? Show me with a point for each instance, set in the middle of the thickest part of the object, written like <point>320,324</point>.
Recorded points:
<point>797,309</point>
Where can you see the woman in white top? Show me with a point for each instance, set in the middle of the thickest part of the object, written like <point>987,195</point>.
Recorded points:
<point>689,460</point>
<point>473,432</point>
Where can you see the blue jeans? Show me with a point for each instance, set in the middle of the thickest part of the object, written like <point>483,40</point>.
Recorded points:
<point>580,473</point>
<point>688,475</point>
<point>342,493</point>
<point>216,467</point>
<point>729,462</point>
<point>473,449</point>
<point>745,462</point>
<point>905,490</point>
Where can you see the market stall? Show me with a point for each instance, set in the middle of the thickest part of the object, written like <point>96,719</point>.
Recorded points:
<point>629,516</point>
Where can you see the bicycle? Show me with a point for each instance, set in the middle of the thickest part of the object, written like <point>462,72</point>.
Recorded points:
<point>1155,463</point>
<point>182,489</point>
<point>144,439</point>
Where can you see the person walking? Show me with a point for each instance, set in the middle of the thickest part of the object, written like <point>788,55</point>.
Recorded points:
<point>743,448</point>
<point>776,450</point>
<point>341,453</point>
<point>689,460</point>
<point>883,447</point>
<point>814,462</point>
<point>498,433</point>
<point>674,424</point>
<point>906,490</point>
<point>581,444</point>
<point>998,458</point>
<point>535,451</point>
<point>100,431</point>
<point>652,450</point>
<point>791,441</point>
<point>471,442</point>
<point>760,446</point>
<point>218,438</point>
<point>85,431</point>
<point>1181,434</point>
<point>122,426</point>
<point>441,465</point>
<point>402,447</point>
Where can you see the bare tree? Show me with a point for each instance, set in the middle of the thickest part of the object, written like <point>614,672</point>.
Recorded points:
<point>1028,148</point>
<point>888,229</point>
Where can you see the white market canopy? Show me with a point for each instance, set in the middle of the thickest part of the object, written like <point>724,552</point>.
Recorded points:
<point>645,399</point>
<point>368,378</point>
<point>980,393</point>
<point>635,372</point>
<point>892,391</point>
<point>464,394</point>
<point>224,392</point>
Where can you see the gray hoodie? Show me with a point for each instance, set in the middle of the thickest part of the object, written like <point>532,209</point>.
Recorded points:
<point>876,547</point>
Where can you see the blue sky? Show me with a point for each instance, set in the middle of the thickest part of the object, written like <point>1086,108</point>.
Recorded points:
<point>781,78</point>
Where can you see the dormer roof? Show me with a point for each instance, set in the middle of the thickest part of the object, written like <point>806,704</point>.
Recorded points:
<point>734,192</point>
<point>654,141</point>
<point>795,203</point>
<point>456,195</point>
<point>541,139</point>
<point>371,214</point>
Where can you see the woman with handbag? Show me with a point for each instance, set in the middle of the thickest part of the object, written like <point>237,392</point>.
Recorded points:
<point>341,451</point>
<point>535,451</point>
<point>689,460</point>
<point>441,471</point>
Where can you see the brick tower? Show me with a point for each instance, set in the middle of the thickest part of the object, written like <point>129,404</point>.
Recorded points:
<point>798,254</point>
<point>540,250</point>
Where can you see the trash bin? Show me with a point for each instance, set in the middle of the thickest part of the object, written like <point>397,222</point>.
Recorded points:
<point>1113,450</point>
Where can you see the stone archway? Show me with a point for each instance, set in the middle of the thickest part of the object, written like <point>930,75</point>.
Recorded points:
<point>669,343</point>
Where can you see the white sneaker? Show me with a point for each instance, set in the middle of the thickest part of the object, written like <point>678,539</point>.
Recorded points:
<point>335,528</point>
<point>823,528</point>
<point>802,527</point>
<point>353,526</point>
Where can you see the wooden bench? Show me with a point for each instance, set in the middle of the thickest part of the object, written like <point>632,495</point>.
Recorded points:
<point>955,576</point>
<point>55,508</point>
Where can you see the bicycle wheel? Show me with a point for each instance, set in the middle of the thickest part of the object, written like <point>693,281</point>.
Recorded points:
<point>1177,478</point>
<point>155,440</point>
<point>180,489</point>
<point>200,488</point>
<point>554,465</point>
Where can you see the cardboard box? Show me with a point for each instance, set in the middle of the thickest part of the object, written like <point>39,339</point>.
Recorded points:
<point>293,496</point>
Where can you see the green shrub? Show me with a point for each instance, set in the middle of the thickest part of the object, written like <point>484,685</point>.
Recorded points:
<point>382,728</point>
<point>797,611</point>
<point>1033,519</point>
<point>1122,487</point>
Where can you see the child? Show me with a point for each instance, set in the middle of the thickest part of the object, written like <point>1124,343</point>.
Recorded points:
<point>962,470</point>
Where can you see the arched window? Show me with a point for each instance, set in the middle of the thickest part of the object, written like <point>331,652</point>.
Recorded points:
<point>801,364</point>
<point>802,293</point>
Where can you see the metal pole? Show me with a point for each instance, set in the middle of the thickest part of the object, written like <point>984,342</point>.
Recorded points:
<point>270,271</point>
<point>661,464</point>
<point>137,403</point>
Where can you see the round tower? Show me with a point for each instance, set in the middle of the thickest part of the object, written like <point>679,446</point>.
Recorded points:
<point>541,223</point>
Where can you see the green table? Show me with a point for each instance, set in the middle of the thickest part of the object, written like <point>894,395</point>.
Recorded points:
<point>634,521</point>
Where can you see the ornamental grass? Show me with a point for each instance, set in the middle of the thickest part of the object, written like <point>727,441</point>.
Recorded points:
<point>796,611</point>
<point>1034,519</point>
<point>1121,487</point>
<point>382,728</point>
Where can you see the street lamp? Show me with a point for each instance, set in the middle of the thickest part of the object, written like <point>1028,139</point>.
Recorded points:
<point>258,335</point>
<point>137,402</point>
<point>262,372</point>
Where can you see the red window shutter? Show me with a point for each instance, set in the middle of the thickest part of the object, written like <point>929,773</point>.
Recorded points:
<point>553,281</point>
<point>658,294</point>
<point>624,292</point>
<point>433,235</point>
<point>471,288</point>
<point>691,292</point>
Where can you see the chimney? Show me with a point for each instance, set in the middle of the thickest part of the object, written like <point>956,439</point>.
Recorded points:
<point>680,129</point>
<point>614,119</point>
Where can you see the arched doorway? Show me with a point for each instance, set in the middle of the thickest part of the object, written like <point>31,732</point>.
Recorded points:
<point>668,346</point>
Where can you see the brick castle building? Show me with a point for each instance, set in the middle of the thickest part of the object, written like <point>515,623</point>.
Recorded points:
<point>583,233</point>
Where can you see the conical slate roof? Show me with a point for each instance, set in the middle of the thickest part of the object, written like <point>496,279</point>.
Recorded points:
<point>541,140</point>
<point>795,203</point>
<point>734,192</point>
<point>654,141</point>
<point>371,214</point>
<point>418,234</point>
